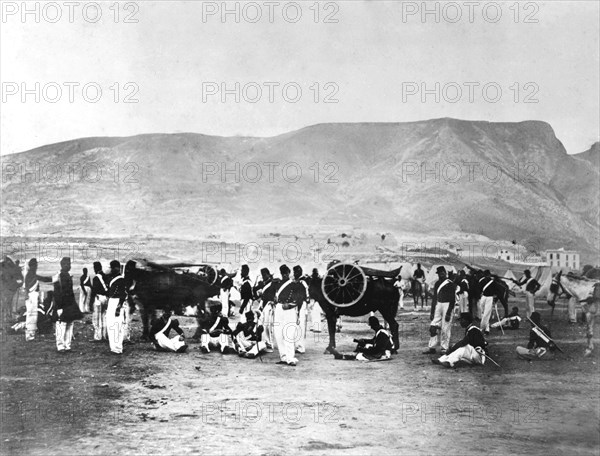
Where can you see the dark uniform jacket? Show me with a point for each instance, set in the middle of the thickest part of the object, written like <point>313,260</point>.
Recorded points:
<point>246,289</point>
<point>64,298</point>
<point>473,337</point>
<point>444,291</point>
<point>536,340</point>
<point>292,293</point>
<point>380,343</point>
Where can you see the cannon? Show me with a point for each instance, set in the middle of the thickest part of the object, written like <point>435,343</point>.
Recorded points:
<point>354,290</point>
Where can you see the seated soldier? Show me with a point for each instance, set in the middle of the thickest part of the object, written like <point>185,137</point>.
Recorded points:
<point>379,347</point>
<point>247,337</point>
<point>470,349</point>
<point>511,321</point>
<point>216,333</point>
<point>540,345</point>
<point>159,334</point>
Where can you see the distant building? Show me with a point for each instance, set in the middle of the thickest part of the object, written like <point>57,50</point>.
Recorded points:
<point>562,258</point>
<point>506,255</point>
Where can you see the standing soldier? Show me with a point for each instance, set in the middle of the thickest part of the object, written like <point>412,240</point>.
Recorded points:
<point>66,308</point>
<point>289,297</point>
<point>99,300</point>
<point>32,295</point>
<point>245,289</point>
<point>462,292</point>
<point>442,306</point>
<point>265,290</point>
<point>400,286</point>
<point>115,314</point>
<point>85,288</point>
<point>226,284</point>
<point>531,288</point>
<point>302,321</point>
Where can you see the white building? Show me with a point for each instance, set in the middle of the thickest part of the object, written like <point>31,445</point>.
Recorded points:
<point>562,258</point>
<point>506,255</point>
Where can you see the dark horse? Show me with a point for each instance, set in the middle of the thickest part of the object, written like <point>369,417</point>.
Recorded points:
<point>418,290</point>
<point>163,288</point>
<point>381,295</point>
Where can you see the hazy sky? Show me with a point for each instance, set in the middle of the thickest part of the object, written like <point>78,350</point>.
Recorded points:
<point>374,61</point>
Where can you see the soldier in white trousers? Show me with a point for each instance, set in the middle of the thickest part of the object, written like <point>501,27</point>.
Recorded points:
<point>99,299</point>
<point>265,291</point>
<point>442,307</point>
<point>159,334</point>
<point>85,288</point>
<point>67,310</point>
<point>289,297</point>
<point>115,316</point>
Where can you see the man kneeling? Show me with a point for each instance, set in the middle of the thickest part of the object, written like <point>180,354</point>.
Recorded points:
<point>471,349</point>
<point>247,337</point>
<point>379,347</point>
<point>159,334</point>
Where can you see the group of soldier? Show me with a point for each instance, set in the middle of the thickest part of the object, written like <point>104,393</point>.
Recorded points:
<point>484,289</point>
<point>275,312</point>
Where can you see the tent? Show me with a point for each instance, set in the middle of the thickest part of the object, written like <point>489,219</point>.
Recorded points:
<point>543,274</point>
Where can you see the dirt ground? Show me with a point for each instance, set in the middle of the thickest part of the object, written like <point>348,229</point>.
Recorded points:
<point>147,402</point>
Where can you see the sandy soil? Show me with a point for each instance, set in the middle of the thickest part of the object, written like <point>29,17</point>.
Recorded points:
<point>145,402</point>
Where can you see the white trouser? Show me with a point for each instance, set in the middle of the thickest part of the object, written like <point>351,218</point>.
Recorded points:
<point>463,303</point>
<point>127,328</point>
<point>115,326</point>
<point>31,315</point>
<point>486,304</point>
<point>529,298</point>
<point>572,307</point>
<point>534,353</point>
<point>250,346</point>
<point>401,298</point>
<point>224,296</point>
<point>99,317</point>
<point>443,333</point>
<point>266,320</point>
<point>315,316</point>
<point>84,299</point>
<point>467,354</point>
<point>64,335</point>
<point>286,333</point>
<point>173,344</point>
<point>221,342</point>
<point>300,343</point>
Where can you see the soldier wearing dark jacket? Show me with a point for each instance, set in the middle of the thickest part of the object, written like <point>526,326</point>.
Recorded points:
<point>66,308</point>
<point>442,307</point>
<point>540,344</point>
<point>378,347</point>
<point>245,289</point>
<point>470,349</point>
<point>159,334</point>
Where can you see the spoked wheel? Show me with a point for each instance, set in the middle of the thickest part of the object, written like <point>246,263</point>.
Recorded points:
<point>208,273</point>
<point>344,284</point>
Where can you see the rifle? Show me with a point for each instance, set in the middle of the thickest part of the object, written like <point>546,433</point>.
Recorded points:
<point>543,335</point>
<point>482,352</point>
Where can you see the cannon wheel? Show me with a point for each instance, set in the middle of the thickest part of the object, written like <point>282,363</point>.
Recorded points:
<point>208,273</point>
<point>344,284</point>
